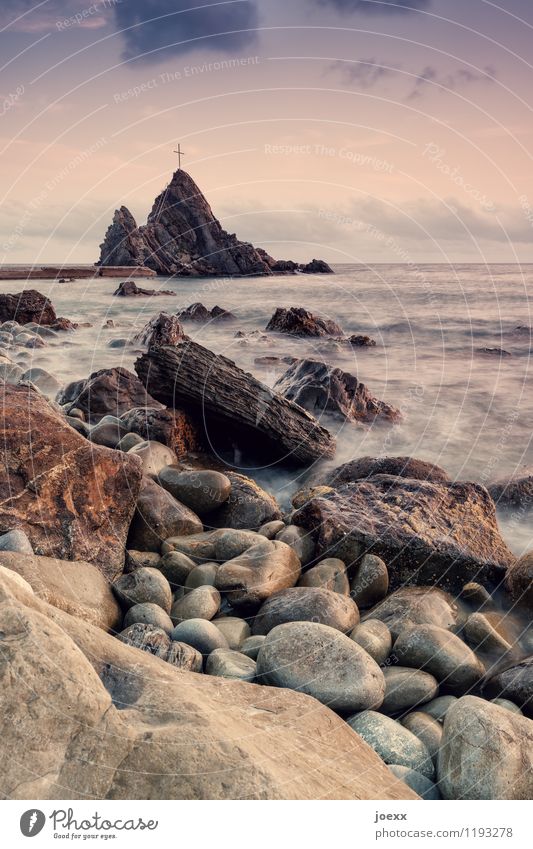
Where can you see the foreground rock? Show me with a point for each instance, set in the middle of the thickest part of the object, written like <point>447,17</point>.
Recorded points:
<point>158,516</point>
<point>248,506</point>
<point>427,533</point>
<point>141,752</point>
<point>440,653</point>
<point>233,401</point>
<point>262,570</point>
<point>202,491</point>
<point>30,306</point>
<point>110,391</point>
<point>162,329</point>
<point>392,742</point>
<point>297,321</point>
<point>320,389</point>
<point>486,752</point>
<point>74,500</point>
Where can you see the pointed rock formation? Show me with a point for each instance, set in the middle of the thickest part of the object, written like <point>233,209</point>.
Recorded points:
<point>123,243</point>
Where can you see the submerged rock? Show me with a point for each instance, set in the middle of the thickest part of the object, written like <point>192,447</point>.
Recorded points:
<point>197,312</point>
<point>129,289</point>
<point>297,321</point>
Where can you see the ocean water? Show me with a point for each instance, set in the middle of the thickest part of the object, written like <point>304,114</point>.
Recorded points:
<point>468,411</point>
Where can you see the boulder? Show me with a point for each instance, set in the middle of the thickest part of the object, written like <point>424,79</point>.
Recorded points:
<point>403,467</point>
<point>441,653</point>
<point>516,491</point>
<point>233,404</point>
<point>297,321</point>
<point>421,785</point>
<point>72,499</point>
<point>200,603</point>
<point>307,604</point>
<point>486,752</point>
<point>142,586</point>
<point>299,540</point>
<point>519,582</point>
<point>235,630</point>
<point>158,516</point>
<point>201,634</point>
<point>392,742</point>
<point>514,683</point>
<point>176,567</point>
<point>262,570</point>
<point>329,574</point>
<point>322,662</point>
<point>316,266</point>
<point>17,541</point>
<point>75,586</point>
<point>428,533</point>
<point>230,664</point>
<point>370,583</point>
<point>162,329</point>
<point>201,576</point>
<point>405,688</point>
<point>375,638</point>
<point>202,491</point>
<point>248,506</point>
<point>134,752</point>
<point>418,606</point>
<point>27,306</point>
<point>178,430</point>
<point>427,729</point>
<point>123,244</point>
<point>320,388</point>
<point>109,391</point>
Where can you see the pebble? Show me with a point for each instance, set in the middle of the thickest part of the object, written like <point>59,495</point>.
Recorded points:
<point>425,788</point>
<point>392,742</point>
<point>235,630</point>
<point>149,614</point>
<point>330,574</point>
<point>405,688</point>
<point>202,491</point>
<point>230,664</point>
<point>176,568</point>
<point>370,583</point>
<point>375,638</point>
<point>200,634</point>
<point>200,603</point>
<point>144,585</point>
<point>307,604</point>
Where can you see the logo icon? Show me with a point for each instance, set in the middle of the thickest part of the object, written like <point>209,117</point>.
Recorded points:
<point>32,822</point>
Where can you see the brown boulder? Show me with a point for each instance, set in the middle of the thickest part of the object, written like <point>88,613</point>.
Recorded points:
<point>403,467</point>
<point>27,306</point>
<point>158,516</point>
<point>73,499</point>
<point>110,391</point>
<point>297,321</point>
<point>162,329</point>
<point>437,534</point>
<point>513,492</point>
<point>519,581</point>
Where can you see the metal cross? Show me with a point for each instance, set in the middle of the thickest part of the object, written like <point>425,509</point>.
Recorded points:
<point>180,154</point>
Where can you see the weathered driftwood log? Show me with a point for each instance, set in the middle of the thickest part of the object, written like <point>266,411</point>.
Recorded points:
<point>191,375</point>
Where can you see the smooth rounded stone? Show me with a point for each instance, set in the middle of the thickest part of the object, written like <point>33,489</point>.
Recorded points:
<point>307,604</point>
<point>475,594</point>
<point>176,567</point>
<point>425,788</point>
<point>158,516</point>
<point>202,491</point>
<point>375,638</point>
<point>406,688</point>
<point>418,606</point>
<point>480,634</point>
<point>392,742</point>
<point>74,412</point>
<point>330,574</point>
<point>146,637</point>
<point>44,381</point>
<point>154,455</point>
<point>300,541</point>
<point>321,662</point>
<point>10,372</point>
<point>78,425</point>
<point>262,570</point>
<point>251,646</point>
<point>201,576</point>
<point>221,545</point>
<point>486,752</point>
<point>426,728</point>
<point>514,683</point>
<point>108,434</point>
<point>248,506</point>
<point>136,559</point>
<point>144,585</point>
<point>22,338</point>
<point>508,705</point>
<point>201,634</point>
<point>184,657</point>
<point>235,630</point>
<point>16,540</point>
<point>201,603</point>
<point>129,441</point>
<point>230,664</point>
<point>439,707</point>
<point>371,581</point>
<point>270,529</point>
<point>149,614</point>
<point>441,653</point>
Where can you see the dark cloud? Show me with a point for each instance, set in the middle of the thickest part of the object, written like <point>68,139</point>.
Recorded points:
<point>364,73</point>
<point>376,7</point>
<point>453,81</point>
<point>163,27</point>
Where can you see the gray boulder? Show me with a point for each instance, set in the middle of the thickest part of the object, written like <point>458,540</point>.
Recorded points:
<point>425,788</point>
<point>200,634</point>
<point>235,630</point>
<point>370,583</point>
<point>442,654</point>
<point>143,585</point>
<point>300,541</point>
<point>392,742</point>
<point>16,540</point>
<point>405,688</point>
<point>375,638</point>
<point>426,728</point>
<point>201,603</point>
<point>149,614</point>
<point>410,606</point>
<point>307,604</point>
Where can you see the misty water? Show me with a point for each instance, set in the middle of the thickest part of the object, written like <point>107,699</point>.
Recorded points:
<point>468,411</point>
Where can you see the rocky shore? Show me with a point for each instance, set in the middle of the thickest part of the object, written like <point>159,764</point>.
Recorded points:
<point>169,630</point>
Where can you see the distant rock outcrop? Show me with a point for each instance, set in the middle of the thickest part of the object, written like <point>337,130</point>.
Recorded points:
<point>198,312</point>
<point>129,289</point>
<point>182,237</point>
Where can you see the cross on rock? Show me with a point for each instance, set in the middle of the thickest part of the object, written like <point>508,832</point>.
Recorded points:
<point>180,154</point>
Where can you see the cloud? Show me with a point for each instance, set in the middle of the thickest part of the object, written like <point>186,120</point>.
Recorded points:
<point>163,27</point>
<point>364,73</point>
<point>453,81</point>
<point>32,17</point>
<point>376,7</point>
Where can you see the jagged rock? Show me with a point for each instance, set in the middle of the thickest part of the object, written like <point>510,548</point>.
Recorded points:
<point>197,312</point>
<point>123,244</point>
<point>404,467</point>
<point>191,375</point>
<point>297,321</point>
<point>320,388</point>
<point>74,500</point>
<point>437,534</point>
<point>129,289</point>
<point>316,266</point>
<point>176,429</point>
<point>162,329</point>
<point>111,391</point>
<point>30,306</point>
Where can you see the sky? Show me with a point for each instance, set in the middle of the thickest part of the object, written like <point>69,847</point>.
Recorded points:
<point>352,130</point>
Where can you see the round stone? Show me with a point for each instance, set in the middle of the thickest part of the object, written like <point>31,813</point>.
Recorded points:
<point>321,662</point>
<point>202,491</point>
<point>144,585</point>
<point>392,742</point>
<point>230,664</point>
<point>481,635</point>
<point>508,705</point>
<point>405,688</point>
<point>307,604</point>
<point>201,576</point>
<point>176,567</point>
<point>270,529</point>
<point>251,646</point>
<point>107,434</point>
<point>16,540</point>
<point>235,630</point>
<point>43,380</point>
<point>154,455</point>
<point>201,603</point>
<point>200,634</point>
<point>427,729</point>
<point>258,573</point>
<point>149,614</point>
<point>374,637</point>
<point>158,516</point>
<point>425,788</point>
<point>438,708</point>
<point>136,559</point>
<point>300,541</point>
<point>129,441</point>
<point>371,581</point>
<point>330,574</point>
<point>418,606</point>
<point>440,653</point>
